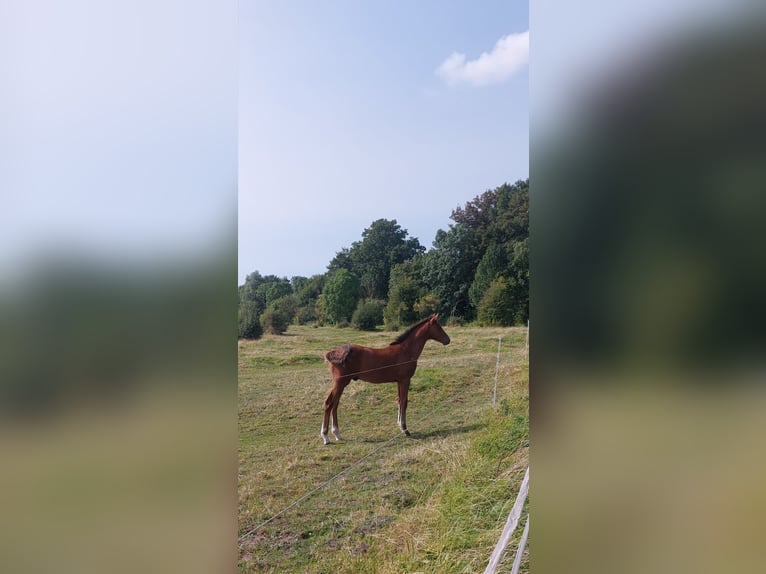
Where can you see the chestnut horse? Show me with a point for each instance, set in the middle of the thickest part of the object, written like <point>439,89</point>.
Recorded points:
<point>395,363</point>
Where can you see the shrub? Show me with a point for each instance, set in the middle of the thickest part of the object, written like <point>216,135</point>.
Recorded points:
<point>248,325</point>
<point>368,315</point>
<point>497,306</point>
<point>306,314</point>
<point>340,296</point>
<point>427,305</point>
<point>278,316</point>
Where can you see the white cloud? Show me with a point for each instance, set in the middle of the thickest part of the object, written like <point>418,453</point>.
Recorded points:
<point>509,55</point>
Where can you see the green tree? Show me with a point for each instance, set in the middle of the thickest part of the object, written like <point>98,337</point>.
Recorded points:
<point>427,305</point>
<point>449,267</point>
<point>307,292</point>
<point>518,274</point>
<point>478,248</point>
<point>340,296</point>
<point>368,314</point>
<point>278,315</point>
<point>404,290</point>
<point>342,260</point>
<point>493,264</point>
<point>383,245</point>
<point>497,307</point>
<point>249,327</point>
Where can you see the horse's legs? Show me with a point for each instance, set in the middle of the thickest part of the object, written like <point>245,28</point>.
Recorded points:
<point>331,408</point>
<point>326,421</point>
<point>404,388</point>
<point>335,429</point>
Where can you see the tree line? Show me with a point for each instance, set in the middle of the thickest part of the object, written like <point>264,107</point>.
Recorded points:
<point>477,270</point>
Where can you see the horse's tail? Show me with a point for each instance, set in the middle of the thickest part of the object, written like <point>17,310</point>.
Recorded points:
<point>338,355</point>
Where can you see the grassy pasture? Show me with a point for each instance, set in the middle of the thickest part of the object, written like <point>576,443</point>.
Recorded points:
<point>432,502</point>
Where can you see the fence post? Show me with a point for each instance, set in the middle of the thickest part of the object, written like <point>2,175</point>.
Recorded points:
<point>520,549</point>
<point>497,368</point>
<point>526,344</point>
<point>510,525</point>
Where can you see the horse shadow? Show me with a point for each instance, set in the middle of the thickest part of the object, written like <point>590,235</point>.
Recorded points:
<point>450,431</point>
<point>436,433</point>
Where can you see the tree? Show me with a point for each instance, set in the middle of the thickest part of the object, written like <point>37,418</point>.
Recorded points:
<point>478,248</point>
<point>368,314</point>
<point>340,296</point>
<point>248,325</point>
<point>493,264</point>
<point>342,260</point>
<point>278,316</point>
<point>307,292</point>
<point>497,306</point>
<point>383,245</point>
<point>427,305</point>
<point>518,274</point>
<point>449,267</point>
<point>405,288</point>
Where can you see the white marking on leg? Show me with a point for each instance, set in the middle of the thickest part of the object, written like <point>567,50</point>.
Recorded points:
<point>336,432</point>
<point>323,434</point>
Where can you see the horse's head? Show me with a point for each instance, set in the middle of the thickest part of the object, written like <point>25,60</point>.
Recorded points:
<point>435,330</point>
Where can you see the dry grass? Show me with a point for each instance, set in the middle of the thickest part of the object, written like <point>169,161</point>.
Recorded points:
<point>434,502</point>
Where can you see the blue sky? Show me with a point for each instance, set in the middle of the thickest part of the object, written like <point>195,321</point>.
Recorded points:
<point>355,111</point>
<point>119,125</point>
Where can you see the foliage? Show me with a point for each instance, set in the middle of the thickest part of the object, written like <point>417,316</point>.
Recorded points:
<point>488,240</point>
<point>427,305</point>
<point>497,305</point>
<point>278,316</point>
<point>383,245</point>
<point>307,291</point>
<point>493,264</point>
<point>340,296</point>
<point>449,267</point>
<point>405,288</point>
<point>368,314</point>
<point>248,325</point>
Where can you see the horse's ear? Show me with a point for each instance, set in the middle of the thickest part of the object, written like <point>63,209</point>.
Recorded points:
<point>434,317</point>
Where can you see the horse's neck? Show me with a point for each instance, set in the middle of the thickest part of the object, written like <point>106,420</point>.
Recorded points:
<point>415,343</point>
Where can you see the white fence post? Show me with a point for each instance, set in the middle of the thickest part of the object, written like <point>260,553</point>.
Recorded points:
<point>497,368</point>
<point>520,549</point>
<point>510,525</point>
<point>526,345</point>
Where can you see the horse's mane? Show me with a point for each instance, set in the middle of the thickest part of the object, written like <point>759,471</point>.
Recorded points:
<point>411,329</point>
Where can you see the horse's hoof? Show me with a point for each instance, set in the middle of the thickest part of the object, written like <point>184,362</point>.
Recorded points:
<point>406,432</point>
<point>325,440</point>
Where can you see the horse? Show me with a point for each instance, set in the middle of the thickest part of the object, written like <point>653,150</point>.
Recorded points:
<point>394,363</point>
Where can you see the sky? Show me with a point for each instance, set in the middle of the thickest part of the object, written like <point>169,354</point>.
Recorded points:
<point>119,129</point>
<point>355,111</point>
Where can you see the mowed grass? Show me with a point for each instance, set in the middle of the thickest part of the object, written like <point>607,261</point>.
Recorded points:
<point>432,502</point>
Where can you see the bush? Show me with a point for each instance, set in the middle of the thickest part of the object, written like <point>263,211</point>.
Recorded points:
<point>340,296</point>
<point>427,305</point>
<point>274,321</point>
<point>306,314</point>
<point>497,306</point>
<point>278,316</point>
<point>368,315</point>
<point>248,325</point>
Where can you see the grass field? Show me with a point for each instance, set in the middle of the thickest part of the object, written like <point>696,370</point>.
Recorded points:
<point>432,502</point>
